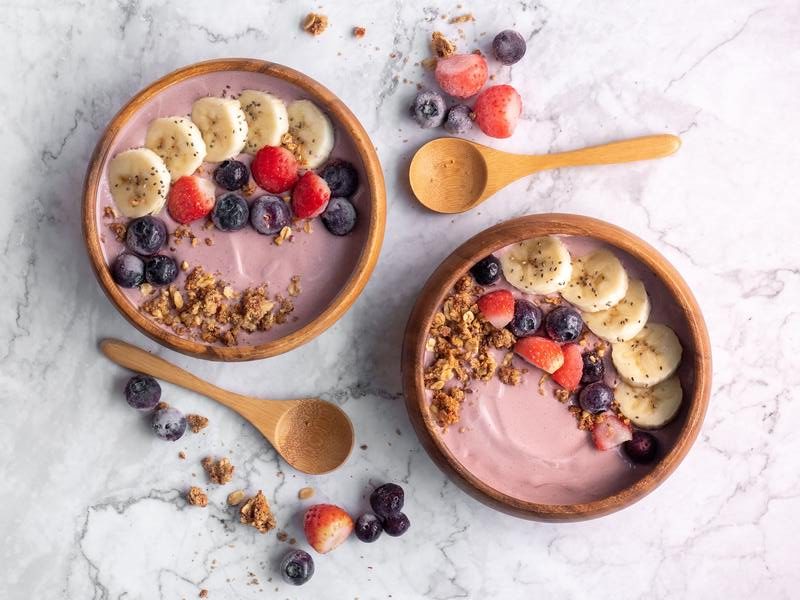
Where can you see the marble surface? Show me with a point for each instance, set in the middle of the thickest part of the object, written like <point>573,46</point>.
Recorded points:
<point>92,505</point>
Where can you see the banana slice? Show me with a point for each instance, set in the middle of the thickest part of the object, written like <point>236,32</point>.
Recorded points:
<point>653,407</point>
<point>312,131</point>
<point>599,281</point>
<point>223,125</point>
<point>138,180</point>
<point>626,319</point>
<point>540,265</point>
<point>178,142</point>
<point>649,358</point>
<point>267,119</point>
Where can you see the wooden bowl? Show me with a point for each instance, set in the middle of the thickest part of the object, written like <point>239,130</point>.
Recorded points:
<point>346,124</point>
<point>695,343</point>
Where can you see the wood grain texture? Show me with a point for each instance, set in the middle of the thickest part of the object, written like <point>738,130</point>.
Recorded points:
<point>697,349</point>
<point>363,268</point>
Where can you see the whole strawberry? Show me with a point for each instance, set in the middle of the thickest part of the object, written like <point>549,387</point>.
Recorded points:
<point>326,526</point>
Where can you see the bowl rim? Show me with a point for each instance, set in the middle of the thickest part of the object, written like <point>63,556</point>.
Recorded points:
<point>455,266</point>
<point>361,271</point>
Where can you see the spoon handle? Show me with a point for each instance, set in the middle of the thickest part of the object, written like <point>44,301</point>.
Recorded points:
<point>641,148</point>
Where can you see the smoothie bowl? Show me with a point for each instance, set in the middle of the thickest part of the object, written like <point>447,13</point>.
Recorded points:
<point>556,367</point>
<point>234,209</point>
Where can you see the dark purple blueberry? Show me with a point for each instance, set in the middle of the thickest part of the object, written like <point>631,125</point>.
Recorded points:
<point>396,524</point>
<point>596,397</point>
<point>459,119</point>
<point>563,324</point>
<point>642,448</point>
<point>509,47</point>
<point>169,423</point>
<point>145,235</point>
<point>127,270</point>
<point>142,392</point>
<point>270,214</point>
<point>593,368</point>
<point>387,499</point>
<point>230,212</point>
<point>232,175</point>
<point>297,567</point>
<point>368,528</point>
<point>160,270</point>
<point>339,217</point>
<point>487,270</point>
<point>428,109</point>
<point>341,177</point>
<point>527,318</point>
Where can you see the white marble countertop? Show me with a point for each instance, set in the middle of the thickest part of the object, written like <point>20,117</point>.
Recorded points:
<point>92,504</point>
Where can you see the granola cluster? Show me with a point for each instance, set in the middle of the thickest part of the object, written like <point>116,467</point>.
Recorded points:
<point>219,471</point>
<point>196,497</point>
<point>256,512</point>
<point>315,24</point>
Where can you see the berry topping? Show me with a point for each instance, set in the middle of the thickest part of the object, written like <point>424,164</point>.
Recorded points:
<point>459,119</point>
<point>527,319</point>
<point>145,235</point>
<point>142,392</point>
<point>462,75</point>
<point>596,397</point>
<point>569,375</point>
<point>428,109</point>
<point>341,177</point>
<point>169,423</point>
<point>326,526</point>
<point>509,47</point>
<point>232,175</point>
<point>368,528</point>
<point>160,270</point>
<point>310,196</point>
<point>497,307</point>
<point>339,217</point>
<point>642,448</point>
<point>297,567</point>
<point>270,214</point>
<point>488,270</point>
<point>540,352</point>
<point>190,198</point>
<point>396,524</point>
<point>593,368</point>
<point>609,432</point>
<point>230,213</point>
<point>497,111</point>
<point>563,324</point>
<point>387,499</point>
<point>275,169</point>
<point>127,270</point>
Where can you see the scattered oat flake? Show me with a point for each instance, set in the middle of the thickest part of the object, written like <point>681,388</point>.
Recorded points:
<point>305,493</point>
<point>294,288</point>
<point>462,18</point>
<point>184,266</point>
<point>315,24</point>
<point>146,289</point>
<point>429,64</point>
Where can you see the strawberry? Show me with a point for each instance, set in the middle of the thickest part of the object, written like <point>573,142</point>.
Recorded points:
<point>462,75</point>
<point>497,307</point>
<point>497,110</point>
<point>310,196</point>
<point>190,198</point>
<point>326,527</point>
<point>610,432</point>
<point>275,169</point>
<point>540,352</point>
<point>570,373</point>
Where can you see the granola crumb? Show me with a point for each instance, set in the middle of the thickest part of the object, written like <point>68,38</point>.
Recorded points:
<point>109,213</point>
<point>359,32</point>
<point>294,288</point>
<point>197,422</point>
<point>561,395</point>
<point>585,419</point>
<point>429,64</point>
<point>509,375</point>
<point>145,289</point>
<point>256,512</point>
<point>305,493</point>
<point>462,19</point>
<point>542,381</point>
<point>441,46</point>
<point>209,242</point>
<point>315,24</point>
<point>119,230</point>
<point>161,406</point>
<point>219,472</point>
<point>203,593</point>
<point>196,497</point>
<point>235,497</point>
<point>282,536</point>
<point>501,339</point>
<point>182,455</point>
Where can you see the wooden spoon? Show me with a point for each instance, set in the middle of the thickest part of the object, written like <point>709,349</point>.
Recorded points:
<point>453,175</point>
<point>312,435</point>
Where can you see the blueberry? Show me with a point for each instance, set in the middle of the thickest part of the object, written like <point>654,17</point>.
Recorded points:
<point>459,119</point>
<point>368,528</point>
<point>563,324</point>
<point>142,392</point>
<point>509,47</point>
<point>270,214</point>
<point>297,567</point>
<point>593,368</point>
<point>387,499</point>
<point>396,524</point>
<point>428,109</point>
<point>146,235</point>
<point>642,448</point>
<point>487,270</point>
<point>341,177</point>
<point>339,217</point>
<point>596,397</point>
<point>230,212</point>
<point>527,318</point>
<point>160,270</point>
<point>232,175</point>
<point>169,424</point>
<point>127,270</point>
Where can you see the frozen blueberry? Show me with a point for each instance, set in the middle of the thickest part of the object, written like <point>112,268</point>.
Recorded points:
<point>368,528</point>
<point>428,109</point>
<point>642,448</point>
<point>142,392</point>
<point>563,324</point>
<point>387,499</point>
<point>145,235</point>
<point>230,212</point>
<point>396,524</point>
<point>339,217</point>
<point>593,368</point>
<point>297,567</point>
<point>509,47</point>
<point>270,214</point>
<point>487,270</point>
<point>169,423</point>
<point>127,270</point>
<point>596,397</point>
<point>459,119</point>
<point>160,270</point>
<point>341,177</point>
<point>232,175</point>
<point>527,318</point>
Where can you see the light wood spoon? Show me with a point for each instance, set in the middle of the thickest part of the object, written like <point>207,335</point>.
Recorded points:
<point>312,435</point>
<point>453,175</point>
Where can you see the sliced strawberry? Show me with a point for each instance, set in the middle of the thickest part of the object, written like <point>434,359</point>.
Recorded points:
<point>610,432</point>
<point>275,169</point>
<point>570,373</point>
<point>497,307</point>
<point>326,527</point>
<point>540,352</point>
<point>497,111</point>
<point>190,198</point>
<point>310,196</point>
<point>462,75</point>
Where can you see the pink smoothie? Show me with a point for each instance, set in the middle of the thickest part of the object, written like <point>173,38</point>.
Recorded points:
<point>246,258</point>
<point>527,445</point>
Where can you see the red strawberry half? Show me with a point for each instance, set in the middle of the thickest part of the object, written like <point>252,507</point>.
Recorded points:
<point>569,375</point>
<point>462,75</point>
<point>310,196</point>
<point>497,307</point>
<point>497,111</point>
<point>275,169</point>
<point>540,352</point>
<point>610,432</point>
<point>190,198</point>
<point>326,527</point>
